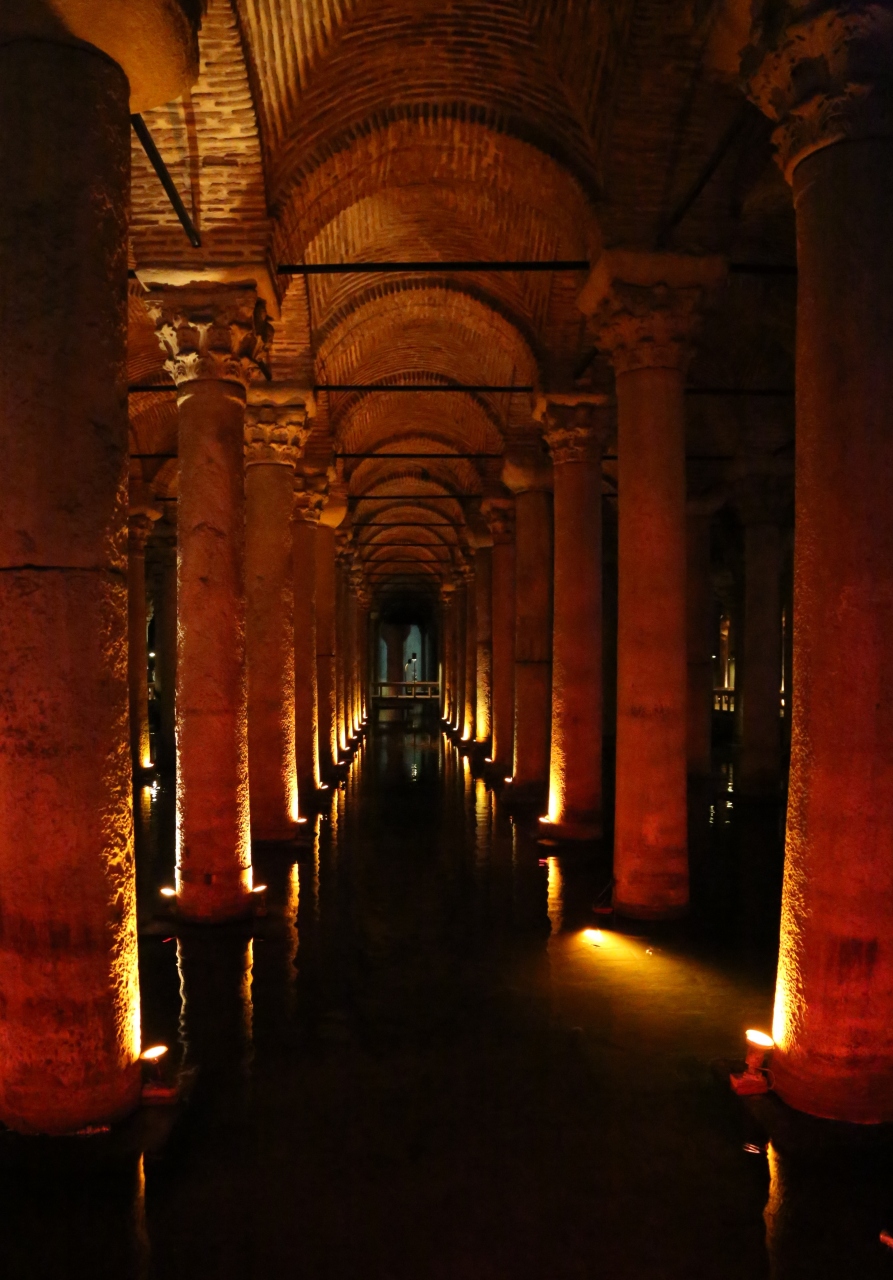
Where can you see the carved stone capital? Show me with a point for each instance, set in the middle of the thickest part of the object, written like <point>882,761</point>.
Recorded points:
<point>527,465</point>
<point>310,498</point>
<point>646,308</point>
<point>140,523</point>
<point>824,72</point>
<point>500,516</point>
<point>576,432</point>
<point>211,333</point>
<point>275,434</point>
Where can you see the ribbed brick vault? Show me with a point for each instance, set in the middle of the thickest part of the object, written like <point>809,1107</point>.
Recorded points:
<point>354,131</point>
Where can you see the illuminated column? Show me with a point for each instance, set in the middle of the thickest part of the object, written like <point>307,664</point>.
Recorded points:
<point>330,518</point>
<point>342,569</point>
<point>213,343</point>
<point>699,634</point>
<point>826,80</point>
<point>761,507</point>
<point>528,474</point>
<point>471,645</point>
<point>645,309</point>
<point>357,645</point>
<point>576,435</point>
<point>483,611</point>
<point>460,617</point>
<point>69,1018</point>
<point>447,598</point>
<point>307,736</point>
<point>499,514</point>
<point>141,518</point>
<point>275,436</point>
<point>394,636</point>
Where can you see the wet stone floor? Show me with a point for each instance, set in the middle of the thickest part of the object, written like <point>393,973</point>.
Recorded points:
<point>424,1064</point>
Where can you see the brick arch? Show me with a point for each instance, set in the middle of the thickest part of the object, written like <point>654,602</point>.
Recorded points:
<point>379,420</point>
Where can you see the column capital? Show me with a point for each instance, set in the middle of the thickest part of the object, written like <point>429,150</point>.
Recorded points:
<point>576,430</point>
<point>310,498</point>
<point>646,308</point>
<point>140,523</point>
<point>527,465</point>
<point>275,434</point>
<point>500,516</point>
<point>211,332</point>
<point>822,71</point>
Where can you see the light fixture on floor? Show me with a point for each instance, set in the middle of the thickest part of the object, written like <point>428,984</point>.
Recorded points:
<point>167,892</point>
<point>594,936</point>
<point>259,893</point>
<point>756,1076</point>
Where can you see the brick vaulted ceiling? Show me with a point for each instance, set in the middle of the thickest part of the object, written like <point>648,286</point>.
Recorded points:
<point>418,130</point>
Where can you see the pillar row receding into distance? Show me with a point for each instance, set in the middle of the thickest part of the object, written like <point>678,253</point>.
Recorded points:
<point>331,516</point>
<point>826,80</point>
<point>499,514</point>
<point>142,516</point>
<point>308,503</point>
<point>576,434</point>
<point>483,616</point>
<point>469,707</point>
<point>70,1018</point>
<point>645,310</point>
<point>275,435</point>
<point>213,335</point>
<point>528,473</point>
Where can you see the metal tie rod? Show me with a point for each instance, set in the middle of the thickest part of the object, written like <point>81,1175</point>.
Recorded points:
<point>385,268</point>
<point>145,137</point>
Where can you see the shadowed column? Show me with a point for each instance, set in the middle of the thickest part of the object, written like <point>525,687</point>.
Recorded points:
<point>699,634</point>
<point>483,612</point>
<point>142,516</point>
<point>275,436</point>
<point>213,343</point>
<point>330,518</point>
<point>499,514</point>
<point>471,649</point>
<point>528,473</point>
<point>826,79</point>
<point>645,309</point>
<point>576,435</point>
<point>305,529</point>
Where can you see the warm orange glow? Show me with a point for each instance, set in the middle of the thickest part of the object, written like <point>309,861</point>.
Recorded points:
<point>167,892</point>
<point>554,889</point>
<point>545,818</point>
<point>152,1055</point>
<point>508,779</point>
<point>301,819</point>
<point>759,1038</point>
<point>488,759</point>
<point>259,888</point>
<point>594,936</point>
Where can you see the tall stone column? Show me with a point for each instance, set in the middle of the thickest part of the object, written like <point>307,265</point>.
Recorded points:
<point>460,651</point>
<point>483,612</point>
<point>357,647</point>
<point>275,436</point>
<point>447,598</point>
<point>469,709</point>
<point>699,634</point>
<point>142,517</point>
<point>330,518</point>
<point>305,530</point>
<point>576,434</point>
<point>645,309</point>
<point>758,679</point>
<point>214,335</point>
<point>825,79</point>
<point>69,1021</point>
<point>164,578</point>
<point>499,514</point>
<point>342,641</point>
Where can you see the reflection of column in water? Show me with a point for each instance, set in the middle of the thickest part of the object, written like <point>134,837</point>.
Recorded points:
<point>555,887</point>
<point>142,1252</point>
<point>216,1009</point>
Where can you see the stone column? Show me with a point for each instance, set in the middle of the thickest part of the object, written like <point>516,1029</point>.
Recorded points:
<point>275,436</point>
<point>469,710</point>
<point>394,636</point>
<point>330,518</point>
<point>528,474</point>
<point>645,309</point>
<point>357,646</point>
<point>483,611</point>
<point>699,634</point>
<point>447,596</point>
<point>826,79</point>
<point>214,335</point>
<point>576,434</point>
<point>760,505</point>
<point>499,514</point>
<point>69,1022</point>
<point>305,530</point>
<point>459,652</point>
<point>142,517</point>
<point>342,689</point>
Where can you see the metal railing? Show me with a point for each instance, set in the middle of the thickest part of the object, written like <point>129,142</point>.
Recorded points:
<point>406,690</point>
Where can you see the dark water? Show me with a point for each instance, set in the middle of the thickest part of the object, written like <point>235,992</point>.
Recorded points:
<point>419,1067</point>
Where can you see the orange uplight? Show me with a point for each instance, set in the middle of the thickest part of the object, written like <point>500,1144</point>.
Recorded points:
<point>544,818</point>
<point>259,888</point>
<point>152,1055</point>
<point>301,819</point>
<point>488,760</point>
<point>760,1039</point>
<point>594,936</point>
<point>507,779</point>
<point>167,892</point>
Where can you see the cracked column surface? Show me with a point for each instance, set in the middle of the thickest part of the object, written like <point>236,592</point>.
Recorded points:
<point>646,309</point>
<point>575,436</point>
<point>214,335</point>
<point>275,436</point>
<point>825,80</point>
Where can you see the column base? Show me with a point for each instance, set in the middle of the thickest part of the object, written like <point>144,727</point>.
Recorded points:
<point>573,829</point>
<point>638,911</point>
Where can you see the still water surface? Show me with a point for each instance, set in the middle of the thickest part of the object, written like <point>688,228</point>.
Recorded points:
<point>418,1066</point>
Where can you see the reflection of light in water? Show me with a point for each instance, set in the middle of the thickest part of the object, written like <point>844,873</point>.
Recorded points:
<point>774,1202</point>
<point>147,795</point>
<point>482,830</point>
<point>181,1023</point>
<point>245,994</point>
<point>292,899</point>
<point>140,1228</point>
<point>554,889</point>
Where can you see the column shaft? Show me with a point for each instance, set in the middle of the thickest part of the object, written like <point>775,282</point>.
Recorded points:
<point>166,657</point>
<point>307,721</point>
<point>326,648</point>
<point>699,639</point>
<point>483,609</point>
<point>471,645</point>
<point>138,650</point>
<point>533,643</point>
<point>69,1017</point>
<point>502,744</point>
<point>759,762</point>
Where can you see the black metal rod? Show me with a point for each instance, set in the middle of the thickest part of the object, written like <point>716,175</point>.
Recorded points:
<point>420,386</point>
<point>386,268</point>
<point>145,137</point>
